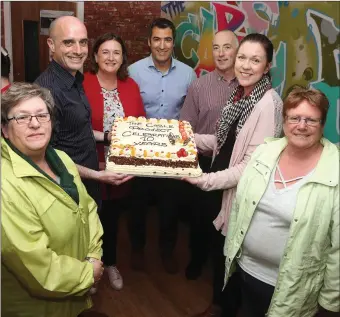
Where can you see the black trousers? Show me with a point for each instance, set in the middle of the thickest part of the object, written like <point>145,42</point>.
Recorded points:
<point>202,213</point>
<point>231,297</point>
<point>109,217</point>
<point>215,243</point>
<point>206,241</point>
<point>247,294</point>
<point>256,295</point>
<point>163,192</point>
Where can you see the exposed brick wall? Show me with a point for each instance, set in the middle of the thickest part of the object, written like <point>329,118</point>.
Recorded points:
<point>2,25</point>
<point>130,20</point>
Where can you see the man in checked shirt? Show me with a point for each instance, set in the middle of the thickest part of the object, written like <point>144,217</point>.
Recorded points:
<point>205,99</point>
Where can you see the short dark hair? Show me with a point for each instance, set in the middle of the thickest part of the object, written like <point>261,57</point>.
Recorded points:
<point>122,73</point>
<point>314,97</point>
<point>264,41</point>
<point>162,23</point>
<point>5,63</point>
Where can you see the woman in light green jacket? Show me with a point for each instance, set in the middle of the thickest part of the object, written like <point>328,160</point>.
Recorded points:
<point>283,236</point>
<point>50,230</point>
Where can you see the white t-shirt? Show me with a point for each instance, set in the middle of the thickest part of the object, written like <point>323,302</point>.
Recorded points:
<point>266,238</point>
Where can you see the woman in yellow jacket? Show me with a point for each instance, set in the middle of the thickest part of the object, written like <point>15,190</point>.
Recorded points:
<point>50,230</point>
<point>282,242</point>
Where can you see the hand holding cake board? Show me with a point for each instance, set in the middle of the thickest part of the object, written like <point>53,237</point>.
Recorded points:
<point>153,147</point>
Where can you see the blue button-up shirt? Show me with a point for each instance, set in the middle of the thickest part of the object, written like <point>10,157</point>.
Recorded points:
<point>163,94</point>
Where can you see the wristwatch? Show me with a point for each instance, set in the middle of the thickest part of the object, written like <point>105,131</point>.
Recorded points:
<point>91,260</point>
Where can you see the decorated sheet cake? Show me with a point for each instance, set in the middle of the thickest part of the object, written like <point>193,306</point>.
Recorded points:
<point>153,147</point>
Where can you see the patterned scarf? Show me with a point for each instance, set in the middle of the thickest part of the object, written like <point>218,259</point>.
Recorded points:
<point>239,109</point>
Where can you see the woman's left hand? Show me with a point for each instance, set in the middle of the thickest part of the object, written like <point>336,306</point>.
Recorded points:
<point>191,180</point>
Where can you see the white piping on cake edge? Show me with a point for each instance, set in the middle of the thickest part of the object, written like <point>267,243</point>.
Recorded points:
<point>153,171</point>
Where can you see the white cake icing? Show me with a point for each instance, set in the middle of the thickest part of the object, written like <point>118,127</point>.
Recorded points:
<point>148,139</point>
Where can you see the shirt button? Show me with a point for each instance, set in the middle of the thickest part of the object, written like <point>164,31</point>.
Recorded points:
<point>241,232</point>
<point>254,203</point>
<point>295,220</point>
<point>162,90</point>
<point>162,105</point>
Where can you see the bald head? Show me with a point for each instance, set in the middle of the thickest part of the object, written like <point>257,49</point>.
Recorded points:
<point>225,44</point>
<point>66,22</point>
<point>230,34</point>
<point>68,43</point>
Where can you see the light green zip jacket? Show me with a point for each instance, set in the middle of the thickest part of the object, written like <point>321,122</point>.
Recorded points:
<point>45,237</point>
<point>309,269</point>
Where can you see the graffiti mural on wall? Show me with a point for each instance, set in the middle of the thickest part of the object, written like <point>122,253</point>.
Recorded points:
<point>305,36</point>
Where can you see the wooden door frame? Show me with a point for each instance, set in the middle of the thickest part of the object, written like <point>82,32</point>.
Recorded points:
<point>8,27</point>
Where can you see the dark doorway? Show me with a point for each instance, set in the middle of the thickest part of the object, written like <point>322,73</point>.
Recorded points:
<point>31,50</point>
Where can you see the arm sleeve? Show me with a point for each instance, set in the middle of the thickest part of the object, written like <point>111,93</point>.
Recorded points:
<point>229,177</point>
<point>190,110</point>
<point>133,73</point>
<point>57,110</point>
<point>140,111</point>
<point>56,125</point>
<point>329,296</point>
<point>26,253</point>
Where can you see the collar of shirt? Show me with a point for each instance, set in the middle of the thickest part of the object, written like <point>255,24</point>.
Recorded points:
<point>151,63</point>
<point>221,78</point>
<point>66,77</point>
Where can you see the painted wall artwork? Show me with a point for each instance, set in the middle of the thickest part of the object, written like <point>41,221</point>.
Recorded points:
<point>305,36</point>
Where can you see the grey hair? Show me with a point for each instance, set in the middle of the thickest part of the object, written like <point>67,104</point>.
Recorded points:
<point>19,92</point>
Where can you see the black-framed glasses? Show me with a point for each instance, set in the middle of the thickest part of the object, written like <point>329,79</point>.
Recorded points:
<point>27,118</point>
<point>309,121</point>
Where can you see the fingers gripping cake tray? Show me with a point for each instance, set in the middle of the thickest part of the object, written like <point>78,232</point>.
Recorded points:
<point>153,147</point>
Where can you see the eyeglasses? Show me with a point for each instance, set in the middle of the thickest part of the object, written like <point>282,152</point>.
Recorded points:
<point>309,121</point>
<point>27,118</point>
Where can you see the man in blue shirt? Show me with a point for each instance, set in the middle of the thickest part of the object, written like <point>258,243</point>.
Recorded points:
<point>163,83</point>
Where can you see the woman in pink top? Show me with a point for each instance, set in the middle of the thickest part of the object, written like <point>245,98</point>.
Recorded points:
<point>252,113</point>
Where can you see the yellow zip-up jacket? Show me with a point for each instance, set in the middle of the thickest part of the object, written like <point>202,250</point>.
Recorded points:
<point>45,237</point>
<point>309,271</point>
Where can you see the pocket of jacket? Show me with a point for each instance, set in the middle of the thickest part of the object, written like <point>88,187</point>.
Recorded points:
<point>58,220</point>
<point>45,204</point>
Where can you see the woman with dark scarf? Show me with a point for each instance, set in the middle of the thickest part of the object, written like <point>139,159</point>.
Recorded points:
<point>252,113</point>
